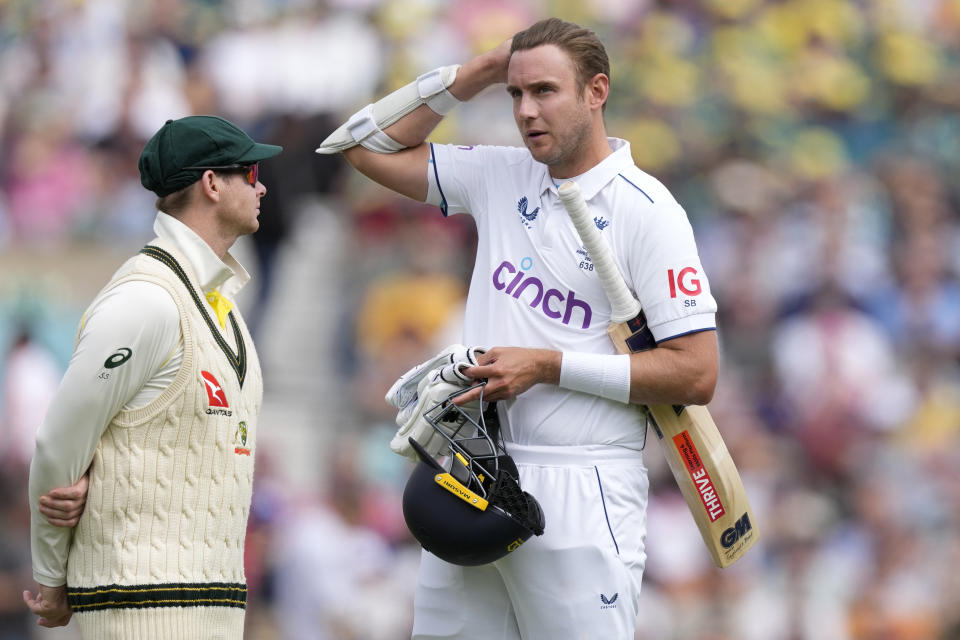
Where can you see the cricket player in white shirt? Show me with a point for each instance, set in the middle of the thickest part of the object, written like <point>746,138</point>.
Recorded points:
<point>160,403</point>
<point>566,401</point>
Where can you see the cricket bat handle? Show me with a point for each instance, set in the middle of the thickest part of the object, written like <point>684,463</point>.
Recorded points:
<point>622,303</point>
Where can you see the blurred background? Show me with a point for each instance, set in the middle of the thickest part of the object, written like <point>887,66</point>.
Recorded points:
<point>813,143</point>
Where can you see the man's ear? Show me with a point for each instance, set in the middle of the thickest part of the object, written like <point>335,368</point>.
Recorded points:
<point>210,186</point>
<point>597,90</point>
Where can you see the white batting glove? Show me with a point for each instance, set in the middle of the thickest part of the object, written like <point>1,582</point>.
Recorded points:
<point>434,388</point>
<point>404,390</point>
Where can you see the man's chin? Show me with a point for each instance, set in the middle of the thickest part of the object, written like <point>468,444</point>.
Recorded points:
<point>540,153</point>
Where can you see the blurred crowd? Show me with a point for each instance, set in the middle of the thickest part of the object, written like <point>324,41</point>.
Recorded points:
<point>813,143</point>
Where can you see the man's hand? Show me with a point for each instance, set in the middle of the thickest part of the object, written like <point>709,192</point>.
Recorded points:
<point>510,371</point>
<point>50,605</point>
<point>63,507</point>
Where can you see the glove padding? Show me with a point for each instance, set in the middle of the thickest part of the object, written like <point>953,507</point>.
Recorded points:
<point>422,388</point>
<point>404,390</point>
<point>366,126</point>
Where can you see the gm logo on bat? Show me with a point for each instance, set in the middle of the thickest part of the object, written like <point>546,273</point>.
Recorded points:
<point>729,537</point>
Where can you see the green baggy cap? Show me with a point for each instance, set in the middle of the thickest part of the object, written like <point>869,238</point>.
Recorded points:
<point>195,141</point>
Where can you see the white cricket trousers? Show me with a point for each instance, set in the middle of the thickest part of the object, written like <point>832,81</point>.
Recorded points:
<point>579,580</point>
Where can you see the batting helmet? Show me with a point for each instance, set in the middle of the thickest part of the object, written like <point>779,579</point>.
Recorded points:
<point>470,510</point>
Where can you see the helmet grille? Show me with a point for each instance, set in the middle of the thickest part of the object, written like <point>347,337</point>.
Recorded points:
<point>517,503</point>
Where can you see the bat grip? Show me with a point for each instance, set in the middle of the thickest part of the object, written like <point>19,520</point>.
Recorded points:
<point>622,303</point>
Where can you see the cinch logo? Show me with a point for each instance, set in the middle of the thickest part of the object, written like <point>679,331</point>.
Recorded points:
<point>552,302</point>
<point>729,537</point>
<point>215,393</point>
<point>698,473</point>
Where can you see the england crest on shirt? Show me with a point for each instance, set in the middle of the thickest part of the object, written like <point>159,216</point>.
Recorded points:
<point>526,217</point>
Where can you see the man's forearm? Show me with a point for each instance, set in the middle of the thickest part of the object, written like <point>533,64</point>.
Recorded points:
<point>670,375</point>
<point>66,442</point>
<point>680,371</point>
<point>485,70</point>
<point>405,171</point>
<point>49,544</point>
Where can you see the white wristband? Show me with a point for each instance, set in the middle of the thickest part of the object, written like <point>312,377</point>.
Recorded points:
<point>607,376</point>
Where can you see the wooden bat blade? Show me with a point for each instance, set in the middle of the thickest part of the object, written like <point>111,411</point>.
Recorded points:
<point>699,461</point>
<point>708,479</point>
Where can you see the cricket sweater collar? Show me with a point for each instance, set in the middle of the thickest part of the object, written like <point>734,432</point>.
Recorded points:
<point>227,275</point>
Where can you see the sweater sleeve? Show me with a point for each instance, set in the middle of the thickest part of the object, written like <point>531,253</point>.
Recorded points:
<point>126,337</point>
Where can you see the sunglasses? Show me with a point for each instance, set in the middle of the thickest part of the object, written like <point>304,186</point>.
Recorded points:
<point>251,172</point>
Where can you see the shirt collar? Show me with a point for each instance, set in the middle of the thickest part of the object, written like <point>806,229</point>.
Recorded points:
<point>598,176</point>
<point>227,275</point>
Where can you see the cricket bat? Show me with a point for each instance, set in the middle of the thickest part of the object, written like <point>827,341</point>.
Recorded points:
<point>694,448</point>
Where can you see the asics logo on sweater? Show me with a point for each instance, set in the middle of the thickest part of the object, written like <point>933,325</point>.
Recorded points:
<point>122,355</point>
<point>553,303</point>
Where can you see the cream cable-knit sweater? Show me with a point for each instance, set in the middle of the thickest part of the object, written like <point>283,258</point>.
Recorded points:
<point>158,553</point>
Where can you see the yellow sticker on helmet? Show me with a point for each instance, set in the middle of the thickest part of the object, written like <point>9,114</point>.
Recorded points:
<point>451,484</point>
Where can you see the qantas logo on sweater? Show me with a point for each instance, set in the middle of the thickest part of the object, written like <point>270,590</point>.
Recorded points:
<point>215,395</point>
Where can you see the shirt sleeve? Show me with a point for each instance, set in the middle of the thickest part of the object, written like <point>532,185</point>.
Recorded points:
<point>670,282</point>
<point>458,176</point>
<point>125,338</point>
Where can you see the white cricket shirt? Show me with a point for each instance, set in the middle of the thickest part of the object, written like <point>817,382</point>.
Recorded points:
<point>533,283</point>
<point>136,326</point>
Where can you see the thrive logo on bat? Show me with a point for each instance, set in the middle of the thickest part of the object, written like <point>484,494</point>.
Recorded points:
<point>698,473</point>
<point>216,397</point>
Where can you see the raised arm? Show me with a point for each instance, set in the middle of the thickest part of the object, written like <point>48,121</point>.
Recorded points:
<point>405,170</point>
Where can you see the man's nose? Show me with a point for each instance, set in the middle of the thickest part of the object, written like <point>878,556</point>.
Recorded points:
<point>527,107</point>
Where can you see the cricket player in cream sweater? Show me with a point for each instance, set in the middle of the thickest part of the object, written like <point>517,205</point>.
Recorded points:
<point>160,403</point>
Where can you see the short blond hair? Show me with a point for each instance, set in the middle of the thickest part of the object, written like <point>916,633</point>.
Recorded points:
<point>177,202</point>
